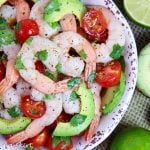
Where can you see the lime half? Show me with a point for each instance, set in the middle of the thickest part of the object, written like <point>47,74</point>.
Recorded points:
<point>139,11</point>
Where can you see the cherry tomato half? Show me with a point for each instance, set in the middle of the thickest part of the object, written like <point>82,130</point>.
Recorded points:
<point>31,108</point>
<point>61,146</point>
<point>108,75</point>
<point>101,39</point>
<point>39,140</point>
<point>2,71</point>
<point>94,22</point>
<point>26,28</point>
<point>40,67</point>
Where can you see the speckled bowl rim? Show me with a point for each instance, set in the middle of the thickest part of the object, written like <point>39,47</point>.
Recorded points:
<point>109,123</point>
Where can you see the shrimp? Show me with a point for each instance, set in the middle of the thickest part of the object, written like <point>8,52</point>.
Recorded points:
<point>116,35</point>
<point>71,66</point>
<point>9,13</point>
<point>37,14</point>
<point>11,77</point>
<point>53,110</point>
<point>69,39</point>
<point>68,23</point>
<point>23,10</point>
<point>11,98</point>
<point>12,74</point>
<point>95,122</point>
<point>23,88</point>
<point>31,75</point>
<point>70,107</point>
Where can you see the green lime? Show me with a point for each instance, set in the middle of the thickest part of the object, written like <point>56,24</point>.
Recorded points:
<point>132,139</point>
<point>139,11</point>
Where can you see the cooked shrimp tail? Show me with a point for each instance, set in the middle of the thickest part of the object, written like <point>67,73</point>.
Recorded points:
<point>68,23</point>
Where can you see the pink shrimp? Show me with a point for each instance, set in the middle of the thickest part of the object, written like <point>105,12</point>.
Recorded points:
<point>95,122</point>
<point>69,39</point>
<point>53,110</point>
<point>23,9</point>
<point>11,78</point>
<point>68,23</point>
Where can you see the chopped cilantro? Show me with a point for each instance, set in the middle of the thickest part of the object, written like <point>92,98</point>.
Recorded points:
<point>42,55</point>
<point>91,77</point>
<point>77,119</point>
<point>29,40</point>
<point>82,54</point>
<point>72,82</point>
<point>117,51</point>
<point>49,75</point>
<point>73,96</point>
<point>19,64</point>
<point>48,97</point>
<point>54,25</point>
<point>14,111</point>
<point>58,67</point>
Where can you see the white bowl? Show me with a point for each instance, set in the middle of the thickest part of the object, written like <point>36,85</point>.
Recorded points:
<point>108,123</point>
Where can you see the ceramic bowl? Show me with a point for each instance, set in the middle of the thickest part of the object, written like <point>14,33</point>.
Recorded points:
<point>108,123</point>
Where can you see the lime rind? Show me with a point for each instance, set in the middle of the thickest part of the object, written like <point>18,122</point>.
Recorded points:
<point>139,13</point>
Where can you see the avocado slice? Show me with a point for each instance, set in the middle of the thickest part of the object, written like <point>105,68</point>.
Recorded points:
<point>132,139</point>
<point>57,9</point>
<point>87,109</point>
<point>113,96</point>
<point>143,81</point>
<point>14,125</point>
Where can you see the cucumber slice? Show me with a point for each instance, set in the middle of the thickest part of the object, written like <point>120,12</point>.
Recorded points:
<point>139,11</point>
<point>143,82</point>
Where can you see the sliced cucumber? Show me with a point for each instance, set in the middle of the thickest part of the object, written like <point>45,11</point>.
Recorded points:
<point>143,82</point>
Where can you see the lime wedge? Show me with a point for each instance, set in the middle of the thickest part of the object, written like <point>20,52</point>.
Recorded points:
<point>139,11</point>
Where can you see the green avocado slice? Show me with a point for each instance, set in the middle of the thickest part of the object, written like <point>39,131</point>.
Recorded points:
<point>14,125</point>
<point>87,109</point>
<point>56,10</point>
<point>116,94</point>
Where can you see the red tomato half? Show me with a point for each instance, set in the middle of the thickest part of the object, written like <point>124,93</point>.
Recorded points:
<point>108,75</point>
<point>40,67</point>
<point>61,146</point>
<point>25,29</point>
<point>2,71</point>
<point>39,140</point>
<point>31,108</point>
<point>94,22</point>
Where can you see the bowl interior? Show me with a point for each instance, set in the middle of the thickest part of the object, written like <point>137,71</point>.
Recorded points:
<point>109,122</point>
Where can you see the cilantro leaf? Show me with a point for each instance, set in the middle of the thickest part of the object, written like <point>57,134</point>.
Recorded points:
<point>42,55</point>
<point>56,140</point>
<point>77,119</point>
<point>49,75</point>
<point>3,23</point>
<point>6,37</point>
<point>117,51</point>
<point>54,25</point>
<point>72,82</point>
<point>73,96</point>
<point>82,54</point>
<point>48,97</point>
<point>29,40</point>
<point>19,64</point>
<point>91,77</point>
<point>58,67</point>
<point>14,111</point>
<point>29,147</point>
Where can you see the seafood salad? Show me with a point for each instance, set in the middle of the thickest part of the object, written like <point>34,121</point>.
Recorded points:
<point>61,69</point>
